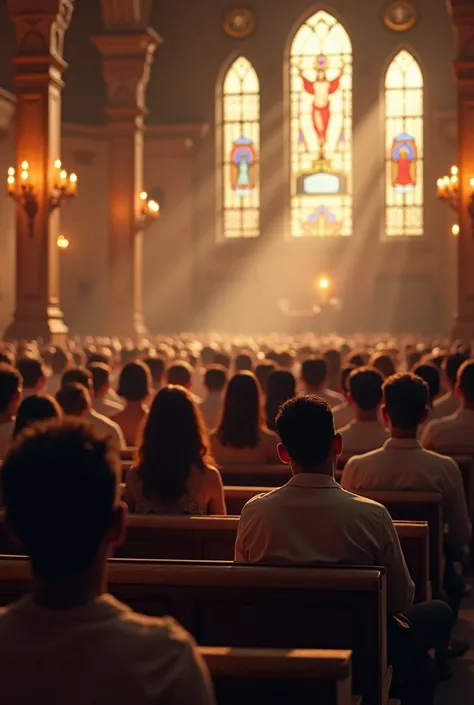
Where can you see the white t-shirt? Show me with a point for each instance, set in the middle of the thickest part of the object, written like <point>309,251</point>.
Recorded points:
<point>107,427</point>
<point>101,653</point>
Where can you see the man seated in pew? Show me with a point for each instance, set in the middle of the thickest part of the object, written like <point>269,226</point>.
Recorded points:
<point>402,464</point>
<point>367,432</point>
<point>175,472</point>
<point>449,403</point>
<point>312,520</point>
<point>314,379</point>
<point>69,641</point>
<point>456,432</point>
<point>344,413</point>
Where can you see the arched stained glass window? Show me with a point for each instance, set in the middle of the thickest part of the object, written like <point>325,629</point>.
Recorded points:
<point>241,151</point>
<point>404,147</point>
<point>321,128</point>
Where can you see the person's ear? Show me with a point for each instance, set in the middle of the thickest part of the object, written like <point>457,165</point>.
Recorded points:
<point>283,454</point>
<point>116,531</point>
<point>337,444</point>
<point>385,415</point>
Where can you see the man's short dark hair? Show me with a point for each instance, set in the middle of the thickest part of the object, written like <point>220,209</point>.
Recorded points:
<point>80,375</point>
<point>345,374</point>
<point>365,387</point>
<point>243,363</point>
<point>10,383</point>
<point>207,355</point>
<point>59,360</point>
<point>100,374</point>
<point>314,371</point>
<point>305,425</point>
<point>157,366</point>
<point>383,362</point>
<point>222,358</point>
<point>73,398</point>
<point>405,398</point>
<point>179,373</point>
<point>215,378</point>
<point>31,370</point>
<point>432,376</point>
<point>59,486</point>
<point>452,364</point>
<point>465,380</point>
<point>135,381</point>
<point>7,357</point>
<point>262,372</point>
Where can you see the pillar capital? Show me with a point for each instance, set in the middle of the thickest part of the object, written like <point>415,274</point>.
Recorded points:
<point>123,14</point>
<point>40,27</point>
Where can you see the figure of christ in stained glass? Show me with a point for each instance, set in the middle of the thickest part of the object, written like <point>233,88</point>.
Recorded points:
<point>321,128</point>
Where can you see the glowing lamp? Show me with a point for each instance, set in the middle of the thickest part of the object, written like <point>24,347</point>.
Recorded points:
<point>62,242</point>
<point>455,230</point>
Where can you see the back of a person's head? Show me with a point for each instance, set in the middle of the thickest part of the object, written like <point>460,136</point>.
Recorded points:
<point>357,358</point>
<point>314,371</point>
<point>222,358</point>
<point>59,360</point>
<point>241,419</point>
<point>37,407</point>
<point>305,425</point>
<point>7,358</point>
<point>333,361</point>
<point>101,357</point>
<point>432,376</point>
<point>262,372</point>
<point>180,373</point>
<point>346,371</point>
<point>74,399</point>
<point>31,370</point>
<point>81,375</point>
<point>10,385</point>
<point>365,388</point>
<point>207,355</point>
<point>405,398</point>
<point>383,362</point>
<point>286,359</point>
<point>465,381</point>
<point>215,378</point>
<point>174,440</point>
<point>59,487</point>
<point>452,364</point>
<point>135,381</point>
<point>156,364</point>
<point>100,375</point>
<point>243,362</point>
<point>281,386</point>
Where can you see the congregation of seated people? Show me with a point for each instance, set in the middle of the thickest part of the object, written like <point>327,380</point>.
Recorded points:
<point>154,430</point>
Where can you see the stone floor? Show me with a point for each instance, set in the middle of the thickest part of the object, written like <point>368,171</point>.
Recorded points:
<point>460,689</point>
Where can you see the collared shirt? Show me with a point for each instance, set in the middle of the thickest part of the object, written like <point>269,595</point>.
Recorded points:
<point>362,436</point>
<point>312,521</point>
<point>107,427</point>
<point>343,415</point>
<point>105,407</point>
<point>446,405</point>
<point>454,433</point>
<point>402,464</point>
<point>211,408</point>
<point>101,653</point>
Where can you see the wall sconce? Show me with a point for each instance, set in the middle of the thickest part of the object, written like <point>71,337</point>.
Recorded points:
<point>448,188</point>
<point>149,211</point>
<point>23,191</point>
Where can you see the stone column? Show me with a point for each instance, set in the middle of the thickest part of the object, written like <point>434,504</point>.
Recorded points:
<point>127,48</point>
<point>40,26</point>
<point>462,12</point>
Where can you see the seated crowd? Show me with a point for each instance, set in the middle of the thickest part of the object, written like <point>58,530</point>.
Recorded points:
<point>183,410</point>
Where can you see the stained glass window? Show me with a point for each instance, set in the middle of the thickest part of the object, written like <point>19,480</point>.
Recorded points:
<point>321,128</point>
<point>404,147</point>
<point>241,150</point>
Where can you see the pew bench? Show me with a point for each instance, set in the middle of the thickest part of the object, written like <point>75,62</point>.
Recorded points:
<point>213,539</point>
<point>256,607</point>
<point>279,677</point>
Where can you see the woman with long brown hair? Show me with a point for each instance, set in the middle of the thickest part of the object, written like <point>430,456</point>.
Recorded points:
<point>174,472</point>
<point>242,436</point>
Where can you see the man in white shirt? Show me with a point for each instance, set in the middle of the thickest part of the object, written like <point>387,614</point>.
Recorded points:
<point>366,432</point>
<point>312,520</point>
<point>314,378</point>
<point>215,380</point>
<point>450,402</point>
<point>103,425</point>
<point>60,360</point>
<point>69,641</point>
<point>101,385</point>
<point>10,394</point>
<point>33,375</point>
<point>455,434</point>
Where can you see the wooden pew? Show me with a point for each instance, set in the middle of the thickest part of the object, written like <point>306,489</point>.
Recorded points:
<point>213,539</point>
<point>256,607</point>
<point>279,677</point>
<point>418,506</point>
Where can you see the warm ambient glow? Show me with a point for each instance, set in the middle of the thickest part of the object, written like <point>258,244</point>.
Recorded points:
<point>62,242</point>
<point>323,282</point>
<point>455,230</point>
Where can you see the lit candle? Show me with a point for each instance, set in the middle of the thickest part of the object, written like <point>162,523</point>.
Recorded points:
<point>153,207</point>
<point>455,230</point>
<point>471,183</point>
<point>25,175</point>
<point>440,184</point>
<point>62,242</point>
<point>143,196</point>
<point>454,171</point>
<point>72,184</point>
<point>25,166</point>
<point>57,164</point>
<point>62,177</point>
<point>11,180</point>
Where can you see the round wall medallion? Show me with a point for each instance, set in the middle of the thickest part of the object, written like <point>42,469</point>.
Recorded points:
<point>240,22</point>
<point>400,15</point>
